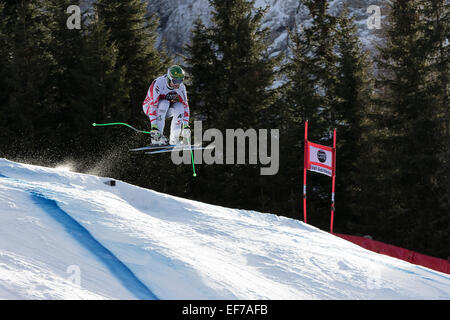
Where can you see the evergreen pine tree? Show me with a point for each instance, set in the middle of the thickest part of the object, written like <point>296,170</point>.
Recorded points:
<point>4,63</point>
<point>130,34</point>
<point>436,29</point>
<point>28,79</point>
<point>411,140</point>
<point>202,75</point>
<point>105,89</point>
<point>134,35</point>
<point>102,80</point>
<point>320,41</point>
<point>353,92</point>
<point>236,73</point>
<point>67,117</point>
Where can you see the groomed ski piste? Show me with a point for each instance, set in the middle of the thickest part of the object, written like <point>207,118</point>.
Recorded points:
<point>66,235</point>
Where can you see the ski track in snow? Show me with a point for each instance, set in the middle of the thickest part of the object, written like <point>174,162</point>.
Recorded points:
<point>121,272</point>
<point>133,243</point>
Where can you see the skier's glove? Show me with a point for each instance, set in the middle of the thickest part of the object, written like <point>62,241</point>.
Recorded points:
<point>186,133</point>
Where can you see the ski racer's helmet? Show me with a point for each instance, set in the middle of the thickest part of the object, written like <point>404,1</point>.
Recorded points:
<point>175,74</point>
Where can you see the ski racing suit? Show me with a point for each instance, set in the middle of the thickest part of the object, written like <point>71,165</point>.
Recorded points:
<point>164,102</point>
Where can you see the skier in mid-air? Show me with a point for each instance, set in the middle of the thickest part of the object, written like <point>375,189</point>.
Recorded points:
<point>167,98</point>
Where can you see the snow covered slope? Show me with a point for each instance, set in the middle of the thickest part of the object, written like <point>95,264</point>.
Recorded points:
<point>67,235</point>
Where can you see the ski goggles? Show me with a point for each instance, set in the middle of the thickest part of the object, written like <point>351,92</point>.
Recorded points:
<point>176,81</point>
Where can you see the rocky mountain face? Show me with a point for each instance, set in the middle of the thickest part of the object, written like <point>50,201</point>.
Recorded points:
<point>177,19</point>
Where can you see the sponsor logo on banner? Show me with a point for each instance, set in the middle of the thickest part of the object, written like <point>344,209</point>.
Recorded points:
<point>322,156</point>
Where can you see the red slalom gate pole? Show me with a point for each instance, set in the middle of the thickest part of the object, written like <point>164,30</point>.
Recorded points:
<point>305,170</point>
<point>333,180</point>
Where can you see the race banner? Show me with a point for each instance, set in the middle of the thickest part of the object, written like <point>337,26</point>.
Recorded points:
<point>319,158</point>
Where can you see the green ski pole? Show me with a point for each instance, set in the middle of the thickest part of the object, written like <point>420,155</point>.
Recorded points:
<point>192,158</point>
<point>119,124</point>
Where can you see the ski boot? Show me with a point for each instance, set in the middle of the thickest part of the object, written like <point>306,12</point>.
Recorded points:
<point>186,135</point>
<point>156,136</point>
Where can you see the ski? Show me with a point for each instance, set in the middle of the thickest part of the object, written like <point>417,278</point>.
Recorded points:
<point>183,148</point>
<point>154,146</point>
<point>162,146</point>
